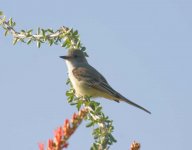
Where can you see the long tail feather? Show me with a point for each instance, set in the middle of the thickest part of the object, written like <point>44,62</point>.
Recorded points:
<point>136,105</point>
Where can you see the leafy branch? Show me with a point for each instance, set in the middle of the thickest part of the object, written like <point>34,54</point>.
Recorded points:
<point>66,37</point>
<point>103,132</point>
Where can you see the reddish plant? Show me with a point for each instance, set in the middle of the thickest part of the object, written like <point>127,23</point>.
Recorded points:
<point>63,133</point>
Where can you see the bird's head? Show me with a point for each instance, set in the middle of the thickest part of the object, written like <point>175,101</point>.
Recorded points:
<point>75,56</point>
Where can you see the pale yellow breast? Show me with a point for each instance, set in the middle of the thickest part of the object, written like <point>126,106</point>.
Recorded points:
<point>81,87</point>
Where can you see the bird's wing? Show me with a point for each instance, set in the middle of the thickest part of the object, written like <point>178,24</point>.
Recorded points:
<point>94,79</point>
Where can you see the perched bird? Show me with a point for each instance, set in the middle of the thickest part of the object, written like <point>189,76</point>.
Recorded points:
<point>87,81</point>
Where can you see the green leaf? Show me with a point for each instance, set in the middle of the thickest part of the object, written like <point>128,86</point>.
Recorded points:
<point>22,40</point>
<point>38,44</point>
<point>90,124</point>
<point>50,30</point>
<point>68,81</point>
<point>79,105</point>
<point>70,96</point>
<point>98,109</point>
<point>43,32</point>
<point>1,13</point>
<point>51,42</point>
<point>28,42</point>
<point>94,147</point>
<point>15,40</point>
<point>67,43</point>
<point>112,138</point>
<point>73,103</point>
<point>83,49</point>
<point>23,31</point>
<point>67,93</point>
<point>69,30</point>
<point>38,30</point>
<point>6,32</point>
<point>86,55</point>
<point>64,44</point>
<point>11,22</point>
<point>2,20</point>
<point>75,33</point>
<point>30,31</point>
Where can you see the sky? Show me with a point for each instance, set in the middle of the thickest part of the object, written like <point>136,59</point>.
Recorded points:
<point>142,47</point>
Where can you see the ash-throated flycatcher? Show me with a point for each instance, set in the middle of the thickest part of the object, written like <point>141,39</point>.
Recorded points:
<point>87,81</point>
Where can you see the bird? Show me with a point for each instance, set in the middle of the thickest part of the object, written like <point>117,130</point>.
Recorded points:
<point>87,81</point>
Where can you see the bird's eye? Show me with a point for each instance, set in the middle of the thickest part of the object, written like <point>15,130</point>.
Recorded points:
<point>75,56</point>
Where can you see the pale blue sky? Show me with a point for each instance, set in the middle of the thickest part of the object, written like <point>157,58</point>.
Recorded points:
<point>143,48</point>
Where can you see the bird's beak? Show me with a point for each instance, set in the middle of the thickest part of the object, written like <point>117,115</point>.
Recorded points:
<point>64,57</point>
